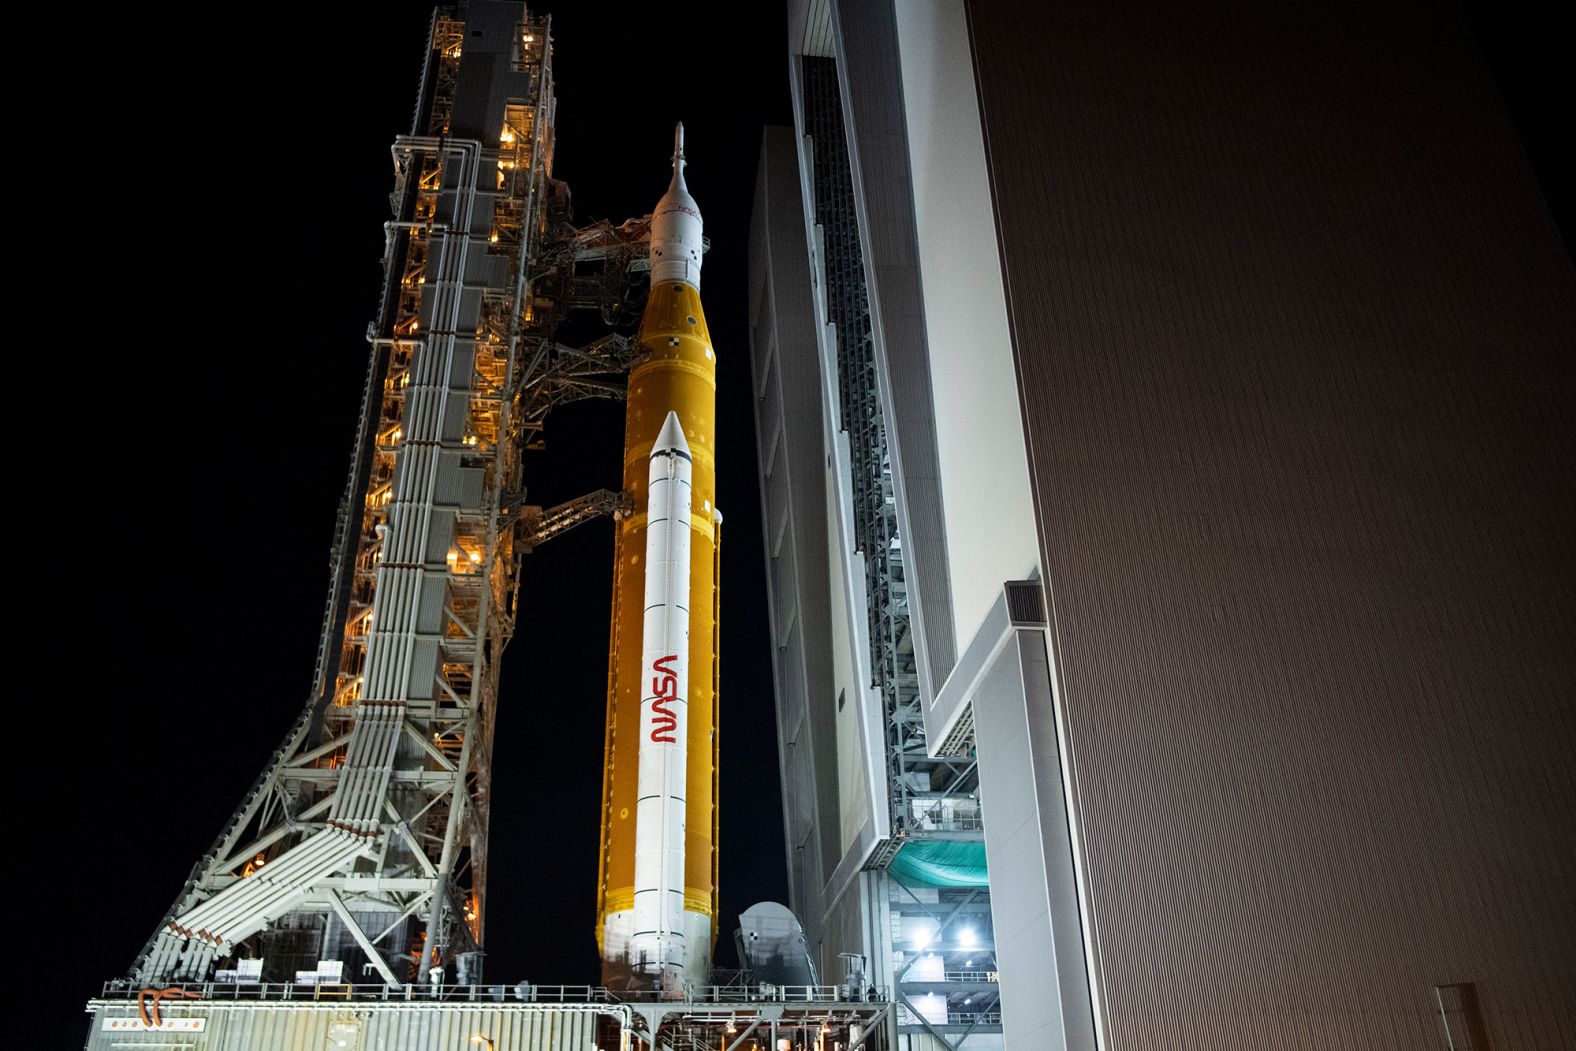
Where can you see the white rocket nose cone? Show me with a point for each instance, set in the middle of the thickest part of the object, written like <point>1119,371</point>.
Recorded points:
<point>671,436</point>
<point>676,227</point>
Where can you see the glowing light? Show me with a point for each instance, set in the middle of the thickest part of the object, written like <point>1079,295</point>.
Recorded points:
<point>967,936</point>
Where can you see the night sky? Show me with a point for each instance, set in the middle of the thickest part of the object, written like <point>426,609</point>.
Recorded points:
<point>220,261</point>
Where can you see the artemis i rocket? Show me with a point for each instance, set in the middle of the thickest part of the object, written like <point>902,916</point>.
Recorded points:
<point>657,896</point>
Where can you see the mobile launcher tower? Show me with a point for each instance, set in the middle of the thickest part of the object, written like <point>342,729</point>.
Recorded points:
<point>344,903</point>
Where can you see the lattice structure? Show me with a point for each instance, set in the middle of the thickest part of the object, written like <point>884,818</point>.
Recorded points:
<point>929,798</point>
<point>363,843</point>
<point>265,1017</point>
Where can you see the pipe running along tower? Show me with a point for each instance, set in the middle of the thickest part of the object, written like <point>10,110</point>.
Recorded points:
<point>657,894</point>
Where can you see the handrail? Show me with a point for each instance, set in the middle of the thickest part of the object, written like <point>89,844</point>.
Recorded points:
<point>521,993</point>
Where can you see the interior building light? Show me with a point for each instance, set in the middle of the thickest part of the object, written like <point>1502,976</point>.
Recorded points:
<point>968,937</point>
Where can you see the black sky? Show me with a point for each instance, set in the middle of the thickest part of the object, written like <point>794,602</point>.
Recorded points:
<point>195,360</point>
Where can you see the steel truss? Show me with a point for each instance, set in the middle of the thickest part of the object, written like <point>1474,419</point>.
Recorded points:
<point>733,1018</point>
<point>930,797</point>
<point>364,839</point>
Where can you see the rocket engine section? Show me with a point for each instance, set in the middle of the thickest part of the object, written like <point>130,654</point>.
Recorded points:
<point>657,893</point>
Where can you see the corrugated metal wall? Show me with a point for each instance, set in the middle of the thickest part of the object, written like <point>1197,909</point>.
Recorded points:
<point>1295,339</point>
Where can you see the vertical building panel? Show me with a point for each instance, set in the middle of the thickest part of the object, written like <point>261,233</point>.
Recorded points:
<point>1294,336</point>
<point>983,474</point>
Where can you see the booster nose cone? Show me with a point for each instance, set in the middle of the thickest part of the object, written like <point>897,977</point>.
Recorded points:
<point>676,229</point>
<point>671,437</point>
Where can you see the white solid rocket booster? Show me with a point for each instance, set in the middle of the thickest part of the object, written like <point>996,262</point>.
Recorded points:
<point>657,943</point>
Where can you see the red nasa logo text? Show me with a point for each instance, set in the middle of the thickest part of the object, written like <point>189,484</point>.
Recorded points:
<point>665,684</point>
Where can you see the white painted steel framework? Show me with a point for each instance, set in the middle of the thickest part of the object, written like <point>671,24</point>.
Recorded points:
<point>520,1017</point>
<point>364,839</point>
<point>373,813</point>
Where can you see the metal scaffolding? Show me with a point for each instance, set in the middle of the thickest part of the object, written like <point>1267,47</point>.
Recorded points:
<point>361,850</point>
<point>539,1017</point>
<point>929,798</point>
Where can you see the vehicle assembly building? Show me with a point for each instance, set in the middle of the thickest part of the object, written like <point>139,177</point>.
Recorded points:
<point>345,903</point>
<point>1164,430</point>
